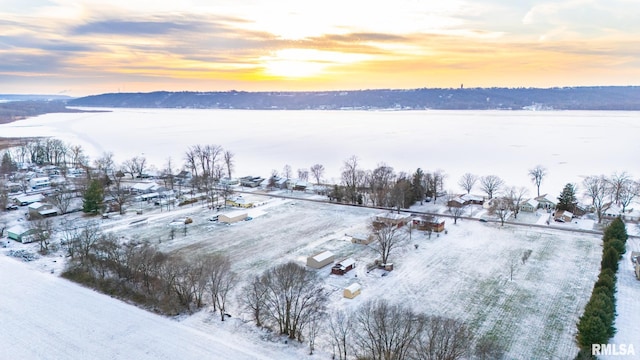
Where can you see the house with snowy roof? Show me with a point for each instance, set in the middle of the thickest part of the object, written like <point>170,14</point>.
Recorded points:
<point>531,205</point>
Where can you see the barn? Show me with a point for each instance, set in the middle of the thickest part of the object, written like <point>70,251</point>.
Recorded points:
<point>320,260</point>
<point>343,266</point>
<point>352,291</point>
<point>232,217</point>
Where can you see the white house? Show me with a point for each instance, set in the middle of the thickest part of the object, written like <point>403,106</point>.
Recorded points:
<point>39,183</point>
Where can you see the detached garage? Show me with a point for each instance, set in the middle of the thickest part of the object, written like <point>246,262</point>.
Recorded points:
<point>320,260</point>
<point>232,217</point>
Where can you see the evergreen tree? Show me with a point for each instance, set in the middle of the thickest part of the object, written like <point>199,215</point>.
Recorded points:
<point>610,259</point>
<point>591,330</point>
<point>567,199</point>
<point>616,230</point>
<point>7,165</point>
<point>93,197</point>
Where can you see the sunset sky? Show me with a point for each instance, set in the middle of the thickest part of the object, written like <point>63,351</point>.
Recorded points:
<point>84,47</point>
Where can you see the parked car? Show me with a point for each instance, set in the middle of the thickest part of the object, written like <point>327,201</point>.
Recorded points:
<point>482,220</point>
<point>12,207</point>
<point>248,218</point>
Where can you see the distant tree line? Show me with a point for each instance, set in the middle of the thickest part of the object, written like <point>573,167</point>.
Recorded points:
<point>569,98</point>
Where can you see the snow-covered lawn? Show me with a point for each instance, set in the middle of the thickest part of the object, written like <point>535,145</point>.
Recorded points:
<point>47,317</point>
<point>465,273</point>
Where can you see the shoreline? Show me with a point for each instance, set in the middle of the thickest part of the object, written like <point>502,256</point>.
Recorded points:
<point>9,142</point>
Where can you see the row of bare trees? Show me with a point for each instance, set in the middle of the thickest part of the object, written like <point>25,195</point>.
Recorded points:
<point>381,330</point>
<point>385,187</point>
<point>138,271</point>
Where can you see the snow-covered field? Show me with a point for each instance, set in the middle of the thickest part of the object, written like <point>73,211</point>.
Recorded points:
<point>464,273</point>
<point>570,144</point>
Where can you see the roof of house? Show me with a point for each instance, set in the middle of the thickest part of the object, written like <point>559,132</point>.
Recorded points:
<point>322,256</point>
<point>532,202</point>
<point>392,216</point>
<point>17,229</point>
<point>545,198</point>
<point>353,287</point>
<point>471,197</point>
<point>346,262</point>
<point>233,214</point>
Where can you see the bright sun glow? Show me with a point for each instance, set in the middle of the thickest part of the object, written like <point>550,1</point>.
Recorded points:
<point>298,63</point>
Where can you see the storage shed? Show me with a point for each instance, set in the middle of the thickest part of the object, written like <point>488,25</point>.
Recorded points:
<point>362,239</point>
<point>21,234</point>
<point>232,217</point>
<point>352,291</point>
<point>343,266</point>
<point>320,260</point>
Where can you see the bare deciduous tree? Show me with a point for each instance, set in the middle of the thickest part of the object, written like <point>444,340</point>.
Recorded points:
<point>443,339</point>
<point>596,187</point>
<point>341,327</point>
<point>317,171</point>
<point>286,171</point>
<point>387,239</point>
<point>467,182</point>
<point>515,197</point>
<point>61,198</point>
<point>501,208</point>
<point>220,281</point>
<point>617,184</point>
<point>490,184</point>
<point>42,230</point>
<point>119,192</point>
<point>293,296</point>
<point>352,178</point>
<point>537,174</point>
<point>229,162</point>
<point>253,297</point>
<point>387,332</point>
<point>629,192</point>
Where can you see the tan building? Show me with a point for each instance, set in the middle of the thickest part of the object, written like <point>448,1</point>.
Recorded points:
<point>362,239</point>
<point>232,217</point>
<point>320,260</point>
<point>352,291</point>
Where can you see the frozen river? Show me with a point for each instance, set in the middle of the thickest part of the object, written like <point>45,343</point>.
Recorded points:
<point>570,144</point>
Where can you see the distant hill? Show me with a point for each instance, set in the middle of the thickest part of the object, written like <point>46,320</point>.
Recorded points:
<point>32,97</point>
<point>17,110</point>
<point>567,98</point>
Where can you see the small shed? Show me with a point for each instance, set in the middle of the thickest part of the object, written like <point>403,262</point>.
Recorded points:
<point>563,216</point>
<point>352,291</point>
<point>362,239</point>
<point>343,266</point>
<point>320,260</point>
<point>232,217</point>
